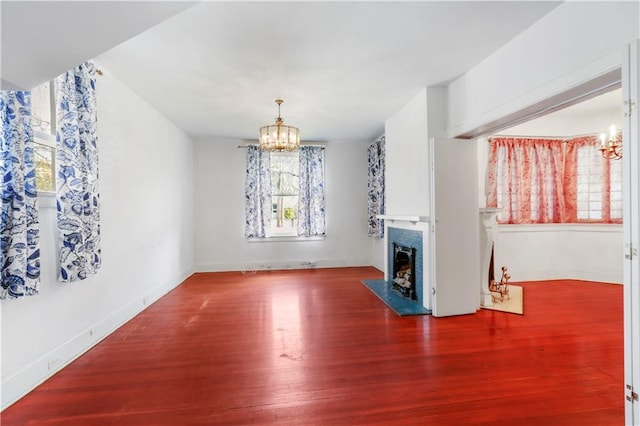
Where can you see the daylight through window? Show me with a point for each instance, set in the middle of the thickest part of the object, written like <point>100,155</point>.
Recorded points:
<point>284,193</point>
<point>43,124</point>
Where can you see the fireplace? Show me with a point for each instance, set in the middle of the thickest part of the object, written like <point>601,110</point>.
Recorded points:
<point>404,271</point>
<point>406,259</point>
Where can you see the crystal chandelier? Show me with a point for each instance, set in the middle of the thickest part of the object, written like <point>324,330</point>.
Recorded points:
<point>279,137</point>
<point>611,147</point>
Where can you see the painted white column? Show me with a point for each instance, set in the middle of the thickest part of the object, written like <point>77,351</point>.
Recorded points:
<point>488,231</point>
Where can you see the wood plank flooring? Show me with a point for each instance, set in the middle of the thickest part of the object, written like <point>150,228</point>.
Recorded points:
<point>315,347</point>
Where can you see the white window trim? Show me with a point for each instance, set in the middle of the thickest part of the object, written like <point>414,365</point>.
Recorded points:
<point>50,141</point>
<point>46,200</point>
<point>45,197</point>
<point>555,227</point>
<point>284,239</point>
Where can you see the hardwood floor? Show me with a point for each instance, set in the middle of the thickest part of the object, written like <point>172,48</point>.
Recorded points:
<point>316,347</point>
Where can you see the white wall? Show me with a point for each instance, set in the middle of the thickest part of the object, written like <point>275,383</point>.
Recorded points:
<point>574,43</point>
<point>560,251</point>
<point>219,212</point>
<point>378,253</point>
<point>146,195</point>
<point>407,159</point>
<point>407,172</point>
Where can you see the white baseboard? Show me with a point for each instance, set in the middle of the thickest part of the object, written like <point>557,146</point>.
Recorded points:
<point>279,265</point>
<point>24,381</point>
<point>584,275</point>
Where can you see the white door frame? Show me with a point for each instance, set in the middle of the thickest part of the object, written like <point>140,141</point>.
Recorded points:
<point>575,92</point>
<point>631,231</point>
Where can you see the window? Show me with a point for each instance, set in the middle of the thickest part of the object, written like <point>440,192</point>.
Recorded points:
<point>522,179</point>
<point>553,181</point>
<point>284,194</point>
<point>43,112</point>
<point>285,187</point>
<point>599,185</point>
<point>615,190</point>
<point>589,184</point>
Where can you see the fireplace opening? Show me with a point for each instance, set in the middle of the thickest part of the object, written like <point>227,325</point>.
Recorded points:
<point>404,271</point>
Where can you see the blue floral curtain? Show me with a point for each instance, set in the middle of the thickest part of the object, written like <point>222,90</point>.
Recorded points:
<point>311,215</point>
<point>375,185</point>
<point>78,200</point>
<point>257,193</point>
<point>19,232</point>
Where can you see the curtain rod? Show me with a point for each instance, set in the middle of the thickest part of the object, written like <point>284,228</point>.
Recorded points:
<point>561,138</point>
<point>305,144</point>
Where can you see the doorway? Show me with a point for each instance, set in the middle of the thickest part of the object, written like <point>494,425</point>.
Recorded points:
<point>589,249</point>
<point>627,78</point>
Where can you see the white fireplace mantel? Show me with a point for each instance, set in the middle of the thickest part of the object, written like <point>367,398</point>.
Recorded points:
<point>412,219</point>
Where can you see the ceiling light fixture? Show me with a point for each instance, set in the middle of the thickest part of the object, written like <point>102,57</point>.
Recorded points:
<point>279,137</point>
<point>611,147</point>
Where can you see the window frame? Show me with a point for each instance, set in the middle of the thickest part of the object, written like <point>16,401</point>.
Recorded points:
<point>274,197</point>
<point>49,140</point>
<point>285,238</point>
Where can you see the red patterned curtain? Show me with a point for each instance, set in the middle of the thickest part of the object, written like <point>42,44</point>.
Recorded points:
<point>525,178</point>
<point>553,181</point>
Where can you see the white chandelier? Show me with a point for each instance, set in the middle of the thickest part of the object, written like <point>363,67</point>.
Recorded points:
<point>279,137</point>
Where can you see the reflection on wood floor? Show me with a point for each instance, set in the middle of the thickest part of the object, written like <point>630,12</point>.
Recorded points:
<point>317,347</point>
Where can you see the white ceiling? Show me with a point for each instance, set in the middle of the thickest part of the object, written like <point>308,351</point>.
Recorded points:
<point>43,39</point>
<point>216,68</point>
<point>593,115</point>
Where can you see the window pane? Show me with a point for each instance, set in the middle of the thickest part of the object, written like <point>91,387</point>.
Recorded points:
<point>616,195</point>
<point>284,193</point>
<point>41,109</point>
<point>44,156</point>
<point>590,183</point>
<point>284,174</point>
<point>284,215</point>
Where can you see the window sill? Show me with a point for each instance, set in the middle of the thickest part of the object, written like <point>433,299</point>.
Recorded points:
<point>46,200</point>
<point>284,239</point>
<point>564,227</point>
